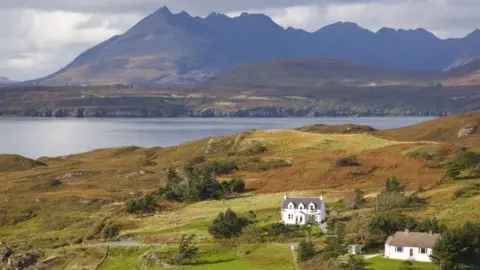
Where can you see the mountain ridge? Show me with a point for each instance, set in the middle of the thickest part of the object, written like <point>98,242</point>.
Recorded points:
<point>166,48</point>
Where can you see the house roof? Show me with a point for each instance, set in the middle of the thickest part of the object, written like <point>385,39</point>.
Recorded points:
<point>412,239</point>
<point>305,201</point>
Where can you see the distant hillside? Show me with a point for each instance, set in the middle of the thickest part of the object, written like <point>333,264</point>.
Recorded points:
<point>165,49</point>
<point>319,72</point>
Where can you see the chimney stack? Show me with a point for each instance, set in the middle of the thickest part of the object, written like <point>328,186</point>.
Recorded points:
<point>285,196</point>
<point>321,197</point>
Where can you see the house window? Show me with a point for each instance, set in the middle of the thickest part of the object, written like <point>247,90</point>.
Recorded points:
<point>301,207</point>
<point>312,207</point>
<point>290,206</point>
<point>423,251</point>
<point>290,216</point>
<point>300,220</point>
<point>399,249</point>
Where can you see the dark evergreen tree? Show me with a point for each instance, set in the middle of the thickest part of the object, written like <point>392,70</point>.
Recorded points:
<point>305,250</point>
<point>227,225</point>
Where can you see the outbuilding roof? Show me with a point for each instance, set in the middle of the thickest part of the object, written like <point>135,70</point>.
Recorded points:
<point>412,239</point>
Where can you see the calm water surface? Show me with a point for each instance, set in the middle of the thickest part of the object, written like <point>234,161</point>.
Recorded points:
<point>36,137</point>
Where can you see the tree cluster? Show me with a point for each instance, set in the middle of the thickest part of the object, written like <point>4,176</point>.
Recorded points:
<point>227,225</point>
<point>458,248</point>
<point>393,196</point>
<point>385,224</point>
<point>197,184</point>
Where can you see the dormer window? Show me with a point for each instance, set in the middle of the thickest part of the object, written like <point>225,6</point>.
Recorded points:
<point>290,206</point>
<point>301,207</point>
<point>311,207</point>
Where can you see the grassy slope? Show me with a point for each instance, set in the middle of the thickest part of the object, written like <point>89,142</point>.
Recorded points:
<point>215,258</point>
<point>379,263</point>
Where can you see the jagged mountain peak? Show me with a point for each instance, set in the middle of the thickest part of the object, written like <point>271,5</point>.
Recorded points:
<point>166,48</point>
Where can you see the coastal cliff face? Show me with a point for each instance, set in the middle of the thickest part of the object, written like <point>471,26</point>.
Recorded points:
<point>268,111</point>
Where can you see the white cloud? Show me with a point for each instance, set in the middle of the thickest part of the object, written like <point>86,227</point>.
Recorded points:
<point>41,42</point>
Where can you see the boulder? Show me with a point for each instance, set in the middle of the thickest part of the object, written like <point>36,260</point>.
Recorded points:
<point>5,253</point>
<point>466,131</point>
<point>23,261</point>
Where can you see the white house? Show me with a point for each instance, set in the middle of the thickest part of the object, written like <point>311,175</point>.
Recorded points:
<point>301,210</point>
<point>410,246</point>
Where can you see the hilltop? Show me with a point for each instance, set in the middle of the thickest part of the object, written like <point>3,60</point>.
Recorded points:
<point>170,49</point>
<point>459,129</point>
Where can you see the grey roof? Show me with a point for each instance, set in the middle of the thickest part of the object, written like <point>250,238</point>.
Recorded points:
<point>412,239</point>
<point>305,201</point>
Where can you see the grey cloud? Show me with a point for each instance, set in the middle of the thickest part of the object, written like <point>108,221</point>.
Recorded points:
<point>196,7</point>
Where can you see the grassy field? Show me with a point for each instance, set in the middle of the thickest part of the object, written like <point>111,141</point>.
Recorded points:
<point>380,263</point>
<point>269,257</point>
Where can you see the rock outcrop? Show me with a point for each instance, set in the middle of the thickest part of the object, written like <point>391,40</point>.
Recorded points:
<point>467,131</point>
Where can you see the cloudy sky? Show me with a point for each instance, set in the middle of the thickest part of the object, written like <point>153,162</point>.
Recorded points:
<point>38,37</point>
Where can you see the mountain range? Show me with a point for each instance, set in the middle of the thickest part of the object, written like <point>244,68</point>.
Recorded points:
<point>169,49</point>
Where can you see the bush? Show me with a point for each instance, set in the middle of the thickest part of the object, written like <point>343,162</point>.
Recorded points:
<point>467,192</point>
<point>236,185</point>
<point>277,229</point>
<point>227,225</point>
<point>110,231</point>
<point>222,167</point>
<point>186,250</point>
<point>347,162</point>
<point>147,204</point>
<point>305,251</point>
<point>252,234</point>
<point>257,148</point>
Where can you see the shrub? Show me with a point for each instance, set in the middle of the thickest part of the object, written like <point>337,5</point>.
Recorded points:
<point>257,148</point>
<point>110,231</point>
<point>222,167</point>
<point>252,234</point>
<point>147,204</point>
<point>236,185</point>
<point>453,170</point>
<point>277,229</point>
<point>196,160</point>
<point>227,225</point>
<point>347,162</point>
<point>305,251</point>
<point>186,250</point>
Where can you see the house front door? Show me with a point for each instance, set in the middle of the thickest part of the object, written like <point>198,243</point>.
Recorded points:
<point>411,253</point>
